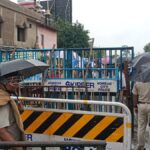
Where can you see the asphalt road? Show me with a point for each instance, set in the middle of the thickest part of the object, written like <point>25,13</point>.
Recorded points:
<point>134,139</point>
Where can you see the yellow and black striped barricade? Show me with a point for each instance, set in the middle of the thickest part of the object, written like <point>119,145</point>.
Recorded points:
<point>68,125</point>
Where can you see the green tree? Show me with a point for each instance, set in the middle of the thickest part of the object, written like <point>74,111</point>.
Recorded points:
<point>72,35</point>
<point>147,47</point>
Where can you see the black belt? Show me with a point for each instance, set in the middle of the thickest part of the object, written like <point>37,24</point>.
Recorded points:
<point>144,102</point>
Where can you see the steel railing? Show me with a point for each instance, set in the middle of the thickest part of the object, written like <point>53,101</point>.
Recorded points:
<point>100,145</point>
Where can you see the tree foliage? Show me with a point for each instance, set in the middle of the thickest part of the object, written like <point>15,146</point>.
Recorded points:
<point>72,35</point>
<point>147,47</point>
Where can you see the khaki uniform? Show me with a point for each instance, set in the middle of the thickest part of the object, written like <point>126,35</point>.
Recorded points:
<point>143,92</point>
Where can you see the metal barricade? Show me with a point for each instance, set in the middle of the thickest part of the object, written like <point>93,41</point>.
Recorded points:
<point>114,124</point>
<point>100,145</point>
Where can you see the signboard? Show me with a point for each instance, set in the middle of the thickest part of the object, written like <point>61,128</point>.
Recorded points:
<point>46,138</point>
<point>80,85</point>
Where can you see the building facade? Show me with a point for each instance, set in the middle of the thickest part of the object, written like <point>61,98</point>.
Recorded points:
<point>58,8</point>
<point>47,37</point>
<point>21,27</point>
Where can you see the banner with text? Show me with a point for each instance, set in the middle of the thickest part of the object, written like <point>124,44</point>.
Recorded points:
<point>81,86</point>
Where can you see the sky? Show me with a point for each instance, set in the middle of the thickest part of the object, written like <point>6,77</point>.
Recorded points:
<point>115,23</point>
